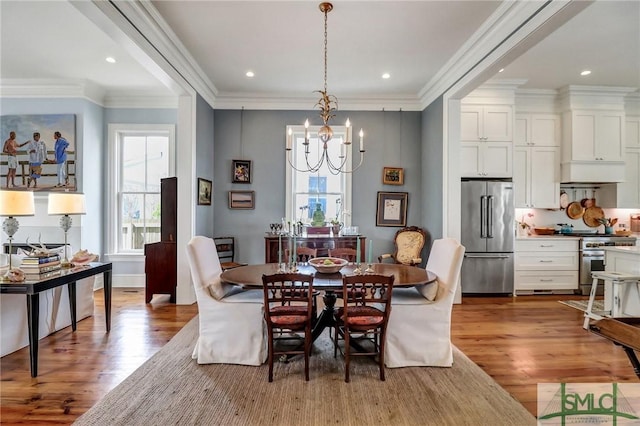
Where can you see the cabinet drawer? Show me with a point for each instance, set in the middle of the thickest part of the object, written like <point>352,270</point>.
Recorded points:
<point>540,280</point>
<point>547,244</point>
<point>547,261</point>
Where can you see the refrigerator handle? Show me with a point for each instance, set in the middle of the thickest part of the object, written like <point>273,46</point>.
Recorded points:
<point>483,218</point>
<point>490,217</point>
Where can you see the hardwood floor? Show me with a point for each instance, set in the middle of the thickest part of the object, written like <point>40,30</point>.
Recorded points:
<point>518,341</point>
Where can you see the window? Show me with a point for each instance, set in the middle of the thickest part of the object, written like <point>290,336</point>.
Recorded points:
<point>140,156</point>
<point>305,190</point>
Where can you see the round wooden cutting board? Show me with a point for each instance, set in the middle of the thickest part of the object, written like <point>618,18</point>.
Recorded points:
<point>575,210</point>
<point>591,216</point>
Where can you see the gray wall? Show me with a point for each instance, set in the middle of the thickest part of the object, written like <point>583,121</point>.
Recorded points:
<point>432,169</point>
<point>391,139</point>
<point>204,161</point>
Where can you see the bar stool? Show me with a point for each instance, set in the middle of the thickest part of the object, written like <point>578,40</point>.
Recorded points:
<point>617,279</point>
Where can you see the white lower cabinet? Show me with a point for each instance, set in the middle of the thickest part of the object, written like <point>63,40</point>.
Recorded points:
<point>543,264</point>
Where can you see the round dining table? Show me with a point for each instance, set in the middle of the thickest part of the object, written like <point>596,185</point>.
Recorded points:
<point>250,276</point>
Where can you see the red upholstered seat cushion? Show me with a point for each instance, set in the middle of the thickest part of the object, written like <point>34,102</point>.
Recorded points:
<point>289,316</point>
<point>288,310</point>
<point>289,321</point>
<point>361,316</point>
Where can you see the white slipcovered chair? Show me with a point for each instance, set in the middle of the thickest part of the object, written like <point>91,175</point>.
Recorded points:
<point>232,329</point>
<point>419,330</point>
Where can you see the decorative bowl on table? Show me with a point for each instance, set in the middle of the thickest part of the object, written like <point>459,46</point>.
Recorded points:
<point>327,265</point>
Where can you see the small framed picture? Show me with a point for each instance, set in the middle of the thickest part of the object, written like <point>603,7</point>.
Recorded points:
<point>392,209</point>
<point>241,171</point>
<point>204,192</point>
<point>393,176</point>
<point>242,199</point>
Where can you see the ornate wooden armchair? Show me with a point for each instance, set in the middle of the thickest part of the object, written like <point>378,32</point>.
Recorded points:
<point>409,243</point>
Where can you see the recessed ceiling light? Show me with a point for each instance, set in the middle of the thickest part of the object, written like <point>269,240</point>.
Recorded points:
<point>249,74</point>
<point>501,69</point>
<point>585,72</point>
<point>386,75</point>
<point>110,60</point>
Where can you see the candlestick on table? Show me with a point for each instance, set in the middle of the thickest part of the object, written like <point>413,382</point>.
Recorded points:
<point>357,250</point>
<point>370,250</point>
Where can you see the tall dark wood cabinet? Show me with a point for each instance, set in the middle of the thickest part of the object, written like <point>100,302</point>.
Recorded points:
<point>161,258</point>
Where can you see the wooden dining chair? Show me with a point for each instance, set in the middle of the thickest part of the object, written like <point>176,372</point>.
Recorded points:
<point>288,313</point>
<point>226,247</point>
<point>363,318</point>
<point>346,253</point>
<point>303,254</point>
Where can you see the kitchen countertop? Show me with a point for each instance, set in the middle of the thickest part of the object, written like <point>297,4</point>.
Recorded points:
<point>547,237</point>
<point>635,235</point>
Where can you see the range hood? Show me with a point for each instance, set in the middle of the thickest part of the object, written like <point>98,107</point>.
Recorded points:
<point>592,172</point>
<point>593,121</point>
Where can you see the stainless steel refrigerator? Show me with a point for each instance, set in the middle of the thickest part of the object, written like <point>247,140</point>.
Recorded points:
<point>487,233</point>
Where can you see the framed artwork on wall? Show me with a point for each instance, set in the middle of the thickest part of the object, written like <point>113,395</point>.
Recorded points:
<point>205,187</point>
<point>242,199</point>
<point>241,171</point>
<point>393,176</point>
<point>392,209</point>
<point>35,165</point>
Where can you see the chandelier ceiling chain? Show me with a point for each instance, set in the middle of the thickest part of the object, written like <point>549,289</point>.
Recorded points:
<point>328,105</point>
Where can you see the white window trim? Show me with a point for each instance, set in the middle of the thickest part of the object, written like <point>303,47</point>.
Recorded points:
<point>346,206</point>
<point>114,130</point>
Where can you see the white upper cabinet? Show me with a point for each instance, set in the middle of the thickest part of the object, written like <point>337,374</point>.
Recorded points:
<point>486,133</point>
<point>537,130</point>
<point>632,132</point>
<point>595,135</point>
<point>487,159</point>
<point>486,123</point>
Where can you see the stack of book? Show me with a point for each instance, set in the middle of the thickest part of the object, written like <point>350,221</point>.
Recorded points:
<point>40,267</point>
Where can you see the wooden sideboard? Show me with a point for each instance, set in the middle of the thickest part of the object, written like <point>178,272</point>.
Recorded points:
<point>323,243</point>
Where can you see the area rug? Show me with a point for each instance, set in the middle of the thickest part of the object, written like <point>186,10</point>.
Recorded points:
<point>171,388</point>
<point>598,305</point>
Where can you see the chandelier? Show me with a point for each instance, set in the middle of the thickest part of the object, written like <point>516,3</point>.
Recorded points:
<point>328,105</point>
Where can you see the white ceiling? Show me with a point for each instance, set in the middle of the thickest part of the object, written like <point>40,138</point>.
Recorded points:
<point>281,41</point>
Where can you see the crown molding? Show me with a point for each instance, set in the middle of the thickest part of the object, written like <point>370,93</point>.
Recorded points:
<point>139,99</point>
<point>498,27</point>
<point>51,88</point>
<point>594,97</point>
<point>514,28</point>
<point>263,101</point>
<point>144,25</point>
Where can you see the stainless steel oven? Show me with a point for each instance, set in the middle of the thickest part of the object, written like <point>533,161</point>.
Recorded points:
<point>592,257</point>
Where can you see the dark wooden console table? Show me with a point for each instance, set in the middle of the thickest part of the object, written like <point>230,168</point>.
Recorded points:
<point>323,243</point>
<point>32,290</point>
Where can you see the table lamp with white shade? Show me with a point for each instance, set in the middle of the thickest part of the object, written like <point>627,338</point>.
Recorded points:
<point>66,203</point>
<point>14,203</point>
